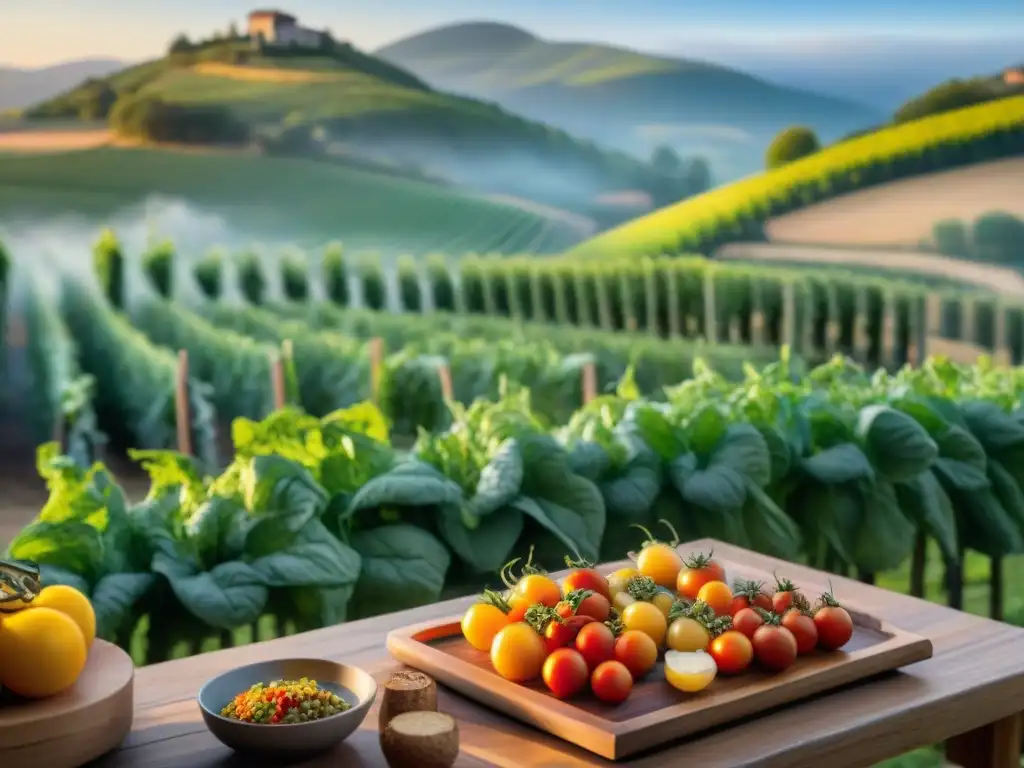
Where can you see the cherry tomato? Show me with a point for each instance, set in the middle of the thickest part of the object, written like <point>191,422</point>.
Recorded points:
<point>565,673</point>
<point>647,618</point>
<point>585,578</point>
<point>558,634</point>
<point>749,594</point>
<point>663,600</point>
<point>774,647</point>
<point>637,651</point>
<point>618,580</point>
<point>718,596</point>
<point>732,652</point>
<point>686,634</point>
<point>697,571</point>
<point>747,621</point>
<point>803,628</point>
<point>518,652</point>
<point>658,560</point>
<point>596,642</point>
<point>481,623</point>
<point>835,627</point>
<point>537,588</point>
<point>785,596</point>
<point>611,682</point>
<point>596,606</point>
<point>518,605</point>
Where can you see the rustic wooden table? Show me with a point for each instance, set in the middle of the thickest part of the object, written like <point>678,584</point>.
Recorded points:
<point>970,694</point>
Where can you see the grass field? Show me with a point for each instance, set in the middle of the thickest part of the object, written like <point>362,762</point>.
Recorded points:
<point>275,198</point>
<point>910,149</point>
<point>903,212</point>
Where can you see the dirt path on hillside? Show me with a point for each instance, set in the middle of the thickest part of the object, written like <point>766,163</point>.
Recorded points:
<point>50,141</point>
<point>583,226</point>
<point>997,279</point>
<point>902,213</point>
<point>268,74</point>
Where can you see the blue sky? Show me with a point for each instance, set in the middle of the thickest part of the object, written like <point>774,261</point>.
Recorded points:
<point>39,32</point>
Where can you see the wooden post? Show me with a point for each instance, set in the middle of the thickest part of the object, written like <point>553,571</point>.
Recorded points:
<point>182,409</point>
<point>376,367</point>
<point>444,375</point>
<point>589,381</point>
<point>757,323</point>
<point>710,312</point>
<point>996,745</point>
<point>789,315</point>
<point>277,380</point>
<point>672,276</point>
<point>968,312</point>
<point>807,326</point>
<point>933,315</point>
<point>833,328</point>
<point>861,339</point>
<point>59,429</point>
<point>889,329</point>
<point>1003,355</point>
<point>651,289</point>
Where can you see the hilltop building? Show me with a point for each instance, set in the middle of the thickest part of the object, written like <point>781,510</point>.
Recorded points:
<point>1014,75</point>
<point>277,28</point>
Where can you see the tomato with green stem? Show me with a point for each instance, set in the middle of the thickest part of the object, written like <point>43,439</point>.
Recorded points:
<point>518,652</point>
<point>697,571</point>
<point>565,673</point>
<point>485,619</point>
<point>611,682</point>
<point>775,646</point>
<point>618,580</point>
<point>639,588</point>
<point>660,560</point>
<point>584,576</point>
<point>787,596</point>
<point>596,606</point>
<point>533,585</point>
<point>747,621</point>
<point>834,623</point>
<point>558,631</point>
<point>718,596</point>
<point>749,594</point>
<point>803,628</point>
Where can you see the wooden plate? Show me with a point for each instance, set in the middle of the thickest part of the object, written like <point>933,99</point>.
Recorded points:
<point>655,713</point>
<point>69,730</point>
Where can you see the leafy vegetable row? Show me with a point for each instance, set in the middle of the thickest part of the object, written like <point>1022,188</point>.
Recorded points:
<point>319,520</point>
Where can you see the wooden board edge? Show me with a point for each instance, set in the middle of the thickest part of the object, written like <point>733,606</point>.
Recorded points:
<point>561,719</point>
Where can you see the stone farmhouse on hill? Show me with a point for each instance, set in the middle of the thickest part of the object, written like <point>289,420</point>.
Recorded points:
<point>278,28</point>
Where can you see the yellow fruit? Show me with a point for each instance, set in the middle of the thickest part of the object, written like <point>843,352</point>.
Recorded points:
<point>664,600</point>
<point>42,652</point>
<point>618,580</point>
<point>647,618</point>
<point>689,672</point>
<point>661,562</point>
<point>688,635</point>
<point>70,601</point>
<point>10,606</point>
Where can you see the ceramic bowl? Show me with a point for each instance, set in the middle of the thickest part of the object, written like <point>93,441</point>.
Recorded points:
<point>352,684</point>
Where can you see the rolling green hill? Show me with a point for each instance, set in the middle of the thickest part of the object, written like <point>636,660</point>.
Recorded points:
<point>312,101</point>
<point>272,199</point>
<point>621,97</point>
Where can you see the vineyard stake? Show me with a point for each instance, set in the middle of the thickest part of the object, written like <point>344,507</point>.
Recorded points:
<point>995,595</point>
<point>444,375</point>
<point>589,380</point>
<point>182,414</point>
<point>277,379</point>
<point>59,429</point>
<point>376,366</point>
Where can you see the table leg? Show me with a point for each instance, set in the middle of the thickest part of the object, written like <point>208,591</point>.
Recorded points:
<point>996,745</point>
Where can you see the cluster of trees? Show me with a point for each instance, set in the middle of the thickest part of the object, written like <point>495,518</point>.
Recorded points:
<point>996,237</point>
<point>954,94</point>
<point>791,144</point>
<point>152,119</point>
<point>677,177</point>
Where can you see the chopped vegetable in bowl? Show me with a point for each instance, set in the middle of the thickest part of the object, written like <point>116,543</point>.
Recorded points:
<point>284,702</point>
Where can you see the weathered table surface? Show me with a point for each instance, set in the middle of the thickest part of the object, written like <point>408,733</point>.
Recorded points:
<point>970,693</point>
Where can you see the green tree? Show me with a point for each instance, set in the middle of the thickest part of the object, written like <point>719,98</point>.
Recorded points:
<point>999,237</point>
<point>950,238</point>
<point>96,100</point>
<point>955,94</point>
<point>180,44</point>
<point>666,160</point>
<point>791,144</point>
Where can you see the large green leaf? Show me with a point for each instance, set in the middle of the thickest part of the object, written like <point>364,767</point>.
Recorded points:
<point>899,448</point>
<point>743,449</point>
<point>500,480</point>
<point>984,525</point>
<point>409,484</point>
<point>924,501</point>
<point>229,595</point>
<point>72,545</point>
<point>1008,492</point>
<point>995,429</point>
<point>114,599</point>
<point>314,559</point>
<point>403,566</point>
<point>768,529</point>
<point>843,463</point>
<point>589,460</point>
<point>706,429</point>
<point>484,548</point>
<point>720,489</point>
<point>885,537</point>
<point>273,483</point>
<point>218,530</point>
<point>632,492</point>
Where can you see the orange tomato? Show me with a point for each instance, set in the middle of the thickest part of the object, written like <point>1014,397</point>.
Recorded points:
<point>697,571</point>
<point>481,623</point>
<point>718,596</point>
<point>732,652</point>
<point>539,589</point>
<point>637,651</point>
<point>518,652</point>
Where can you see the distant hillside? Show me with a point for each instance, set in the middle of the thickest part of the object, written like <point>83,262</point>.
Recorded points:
<point>20,88</point>
<point>622,98</point>
<point>309,101</point>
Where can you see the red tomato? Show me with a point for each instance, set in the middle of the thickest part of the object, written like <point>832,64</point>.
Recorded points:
<point>596,606</point>
<point>611,682</point>
<point>732,652</point>
<point>565,673</point>
<point>597,643</point>
<point>774,647</point>
<point>803,628</point>
<point>749,594</point>
<point>518,605</point>
<point>697,571</point>
<point>637,651</point>
<point>584,577</point>
<point>786,596</point>
<point>835,627</point>
<point>747,621</point>
<point>558,634</point>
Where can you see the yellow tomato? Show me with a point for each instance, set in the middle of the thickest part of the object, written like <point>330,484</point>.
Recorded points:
<point>687,635</point>
<point>718,596</point>
<point>646,618</point>
<point>73,603</point>
<point>42,652</point>
<point>663,600</point>
<point>481,623</point>
<point>622,600</point>
<point>618,580</point>
<point>661,562</point>
<point>689,672</point>
<point>518,652</point>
